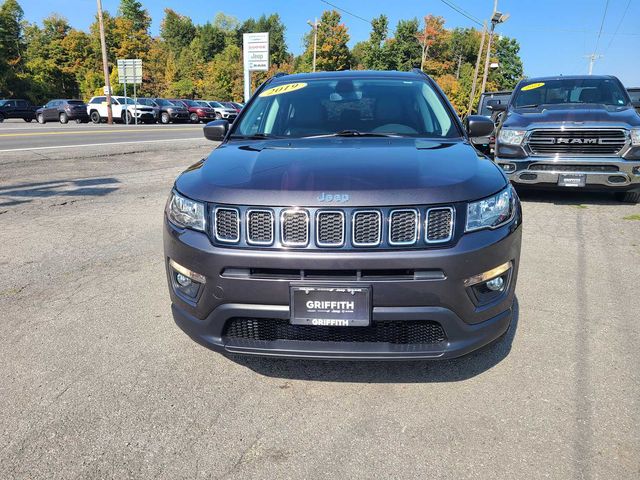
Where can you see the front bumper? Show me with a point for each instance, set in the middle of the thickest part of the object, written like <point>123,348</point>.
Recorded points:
<point>601,173</point>
<point>444,300</point>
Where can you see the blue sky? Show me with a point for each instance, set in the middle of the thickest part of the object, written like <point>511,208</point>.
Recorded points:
<point>554,35</point>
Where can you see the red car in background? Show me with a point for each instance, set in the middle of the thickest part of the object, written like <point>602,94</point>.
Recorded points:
<point>198,111</point>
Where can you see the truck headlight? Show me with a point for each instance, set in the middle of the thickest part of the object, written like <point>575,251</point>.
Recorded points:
<point>185,212</point>
<point>491,212</point>
<point>511,137</point>
<point>635,137</point>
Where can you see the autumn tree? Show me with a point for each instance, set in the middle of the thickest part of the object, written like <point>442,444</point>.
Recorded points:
<point>332,50</point>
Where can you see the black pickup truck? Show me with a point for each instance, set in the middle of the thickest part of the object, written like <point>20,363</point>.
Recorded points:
<point>572,132</point>
<point>17,108</point>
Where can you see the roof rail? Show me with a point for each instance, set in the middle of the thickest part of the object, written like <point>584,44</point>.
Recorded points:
<point>280,74</point>
<point>418,71</point>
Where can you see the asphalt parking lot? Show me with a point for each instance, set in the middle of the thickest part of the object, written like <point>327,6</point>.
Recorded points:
<point>97,381</point>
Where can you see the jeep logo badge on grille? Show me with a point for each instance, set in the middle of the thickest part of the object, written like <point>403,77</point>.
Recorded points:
<point>333,197</point>
<point>568,141</point>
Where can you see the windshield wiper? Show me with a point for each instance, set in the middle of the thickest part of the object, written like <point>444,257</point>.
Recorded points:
<point>353,133</point>
<point>255,136</point>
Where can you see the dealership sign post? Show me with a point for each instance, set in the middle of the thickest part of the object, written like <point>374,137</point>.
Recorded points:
<point>255,53</point>
<point>130,71</point>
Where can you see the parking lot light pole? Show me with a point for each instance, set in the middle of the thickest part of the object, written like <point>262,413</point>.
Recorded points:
<point>496,18</point>
<point>314,25</point>
<point>105,63</point>
<point>475,74</point>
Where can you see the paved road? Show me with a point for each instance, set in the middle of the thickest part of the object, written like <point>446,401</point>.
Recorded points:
<point>97,382</point>
<point>18,135</point>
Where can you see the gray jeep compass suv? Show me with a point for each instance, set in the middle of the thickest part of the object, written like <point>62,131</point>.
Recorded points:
<point>344,215</point>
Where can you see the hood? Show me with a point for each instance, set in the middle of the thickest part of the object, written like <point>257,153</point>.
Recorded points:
<point>371,171</point>
<point>572,115</point>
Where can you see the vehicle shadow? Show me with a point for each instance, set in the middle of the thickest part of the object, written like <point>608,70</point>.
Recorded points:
<point>567,197</point>
<point>11,195</point>
<point>417,371</point>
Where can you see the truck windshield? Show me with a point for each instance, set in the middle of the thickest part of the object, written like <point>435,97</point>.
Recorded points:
<point>371,106</point>
<point>603,91</point>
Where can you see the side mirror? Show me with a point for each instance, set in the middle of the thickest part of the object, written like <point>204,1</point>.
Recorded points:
<point>216,130</point>
<point>478,126</point>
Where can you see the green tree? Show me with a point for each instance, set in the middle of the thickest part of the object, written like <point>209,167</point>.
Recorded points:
<point>12,46</point>
<point>510,70</point>
<point>332,51</point>
<point>405,46</point>
<point>377,55</point>
<point>208,41</point>
<point>223,79</point>
<point>132,10</point>
<point>177,31</point>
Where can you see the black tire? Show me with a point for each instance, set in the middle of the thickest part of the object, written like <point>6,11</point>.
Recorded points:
<point>95,116</point>
<point>28,120</point>
<point>127,117</point>
<point>40,119</point>
<point>165,119</point>
<point>218,115</point>
<point>194,118</point>
<point>1,119</point>
<point>628,197</point>
<point>64,118</point>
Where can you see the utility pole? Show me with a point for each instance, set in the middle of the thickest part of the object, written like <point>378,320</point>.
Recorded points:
<point>314,25</point>
<point>592,59</point>
<point>105,63</point>
<point>475,75</point>
<point>496,18</point>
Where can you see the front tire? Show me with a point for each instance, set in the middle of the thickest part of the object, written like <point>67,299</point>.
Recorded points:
<point>64,118</point>
<point>194,118</point>
<point>28,120</point>
<point>218,115</point>
<point>95,116</point>
<point>127,117</point>
<point>165,119</point>
<point>41,119</point>
<point>628,197</point>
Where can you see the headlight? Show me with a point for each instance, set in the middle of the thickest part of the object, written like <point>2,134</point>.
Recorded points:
<point>511,137</point>
<point>491,212</point>
<point>635,137</point>
<point>185,213</point>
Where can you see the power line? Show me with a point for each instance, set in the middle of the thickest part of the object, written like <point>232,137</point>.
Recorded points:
<point>462,12</point>
<point>604,16</point>
<point>624,14</point>
<point>347,12</point>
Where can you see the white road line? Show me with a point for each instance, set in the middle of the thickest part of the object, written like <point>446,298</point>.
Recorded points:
<point>98,144</point>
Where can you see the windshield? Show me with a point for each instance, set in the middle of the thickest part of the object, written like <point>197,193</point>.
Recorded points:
<point>127,100</point>
<point>165,103</point>
<point>366,105</point>
<point>215,104</point>
<point>228,105</point>
<point>75,102</point>
<point>202,103</point>
<point>495,100</point>
<point>145,101</point>
<point>635,95</point>
<point>192,103</point>
<point>604,91</point>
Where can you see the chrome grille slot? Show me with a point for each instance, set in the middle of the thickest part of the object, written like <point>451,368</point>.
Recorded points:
<point>577,141</point>
<point>403,227</point>
<point>227,225</point>
<point>260,227</point>
<point>330,228</point>
<point>439,225</point>
<point>367,228</point>
<point>294,228</point>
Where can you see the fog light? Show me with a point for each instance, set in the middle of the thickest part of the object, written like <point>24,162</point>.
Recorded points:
<point>496,284</point>
<point>186,272</point>
<point>508,167</point>
<point>488,275</point>
<point>183,280</point>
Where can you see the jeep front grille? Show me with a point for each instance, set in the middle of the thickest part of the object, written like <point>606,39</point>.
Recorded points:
<point>260,227</point>
<point>227,225</point>
<point>333,228</point>
<point>294,226</point>
<point>577,141</point>
<point>330,228</point>
<point>439,227</point>
<point>367,228</point>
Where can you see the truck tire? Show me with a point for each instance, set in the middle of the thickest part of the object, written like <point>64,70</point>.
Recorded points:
<point>95,116</point>
<point>41,119</point>
<point>64,118</point>
<point>628,197</point>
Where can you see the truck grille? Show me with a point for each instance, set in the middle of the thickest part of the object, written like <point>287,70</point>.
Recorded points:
<point>439,225</point>
<point>395,332</point>
<point>385,227</point>
<point>577,142</point>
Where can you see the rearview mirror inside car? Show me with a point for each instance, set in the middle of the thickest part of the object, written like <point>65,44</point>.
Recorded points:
<point>216,130</point>
<point>478,126</point>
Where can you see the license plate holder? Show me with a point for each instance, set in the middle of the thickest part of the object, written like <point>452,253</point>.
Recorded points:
<point>330,305</point>
<point>572,180</point>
